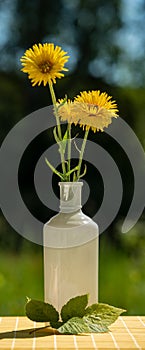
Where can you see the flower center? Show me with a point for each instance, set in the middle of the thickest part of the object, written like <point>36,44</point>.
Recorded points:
<point>92,105</point>
<point>45,67</point>
<point>94,109</point>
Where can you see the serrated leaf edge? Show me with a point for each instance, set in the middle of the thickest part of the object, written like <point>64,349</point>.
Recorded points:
<point>120,310</point>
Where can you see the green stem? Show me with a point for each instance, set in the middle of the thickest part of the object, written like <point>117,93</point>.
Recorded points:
<point>82,152</point>
<point>55,110</point>
<point>53,169</point>
<point>69,149</point>
<point>58,127</point>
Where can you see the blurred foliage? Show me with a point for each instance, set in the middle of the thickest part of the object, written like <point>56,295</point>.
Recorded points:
<point>122,274</point>
<point>121,278</point>
<point>132,243</point>
<point>105,40</point>
<point>91,32</point>
<point>20,276</point>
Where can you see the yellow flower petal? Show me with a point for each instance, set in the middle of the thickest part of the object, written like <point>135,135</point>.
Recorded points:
<point>44,63</point>
<point>91,109</point>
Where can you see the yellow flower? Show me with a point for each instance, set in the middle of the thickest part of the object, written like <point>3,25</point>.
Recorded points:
<point>94,110</point>
<point>65,109</point>
<point>44,63</point>
<point>91,109</point>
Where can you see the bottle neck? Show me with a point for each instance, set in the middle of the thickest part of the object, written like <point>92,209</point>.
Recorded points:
<point>70,196</point>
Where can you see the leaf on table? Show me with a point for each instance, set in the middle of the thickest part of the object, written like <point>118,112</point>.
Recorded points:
<point>95,324</point>
<point>76,317</point>
<point>56,325</point>
<point>41,312</point>
<point>75,307</point>
<point>75,325</point>
<point>105,314</point>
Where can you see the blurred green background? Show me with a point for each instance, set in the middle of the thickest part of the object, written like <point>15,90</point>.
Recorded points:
<point>106,42</point>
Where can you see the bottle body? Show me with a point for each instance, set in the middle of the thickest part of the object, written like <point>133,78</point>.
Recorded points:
<point>70,257</point>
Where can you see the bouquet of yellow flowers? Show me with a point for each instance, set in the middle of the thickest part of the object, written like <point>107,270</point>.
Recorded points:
<point>94,110</point>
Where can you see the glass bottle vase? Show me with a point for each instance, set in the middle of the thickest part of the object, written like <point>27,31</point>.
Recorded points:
<point>70,241</point>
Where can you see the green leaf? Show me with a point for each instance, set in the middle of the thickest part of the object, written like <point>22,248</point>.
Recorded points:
<point>75,325</point>
<point>84,173</point>
<point>53,169</point>
<point>75,307</point>
<point>41,312</point>
<point>74,177</point>
<point>105,314</point>
<point>56,325</point>
<point>56,136</point>
<point>64,141</point>
<point>65,137</point>
<point>76,318</point>
<point>61,143</point>
<point>95,324</point>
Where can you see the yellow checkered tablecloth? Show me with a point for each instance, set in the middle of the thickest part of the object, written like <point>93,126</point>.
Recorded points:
<point>128,332</point>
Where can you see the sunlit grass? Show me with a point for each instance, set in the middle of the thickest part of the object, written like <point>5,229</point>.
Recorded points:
<point>20,276</point>
<point>121,280</point>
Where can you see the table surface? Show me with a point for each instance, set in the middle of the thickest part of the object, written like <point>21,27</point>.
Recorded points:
<point>128,332</point>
